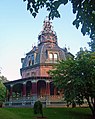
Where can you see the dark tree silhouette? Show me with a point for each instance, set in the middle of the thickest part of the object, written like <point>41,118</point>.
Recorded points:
<point>38,109</point>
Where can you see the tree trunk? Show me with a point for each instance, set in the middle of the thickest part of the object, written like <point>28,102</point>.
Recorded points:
<point>91,106</point>
<point>93,109</point>
<point>42,113</point>
<point>93,112</point>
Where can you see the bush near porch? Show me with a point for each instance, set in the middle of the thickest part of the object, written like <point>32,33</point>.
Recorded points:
<point>50,113</point>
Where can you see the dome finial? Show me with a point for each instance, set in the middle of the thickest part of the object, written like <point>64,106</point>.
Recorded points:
<point>47,27</point>
<point>47,18</point>
<point>47,34</point>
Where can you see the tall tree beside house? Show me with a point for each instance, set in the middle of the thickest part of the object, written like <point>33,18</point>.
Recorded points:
<point>84,10</point>
<point>77,78</point>
<point>2,89</point>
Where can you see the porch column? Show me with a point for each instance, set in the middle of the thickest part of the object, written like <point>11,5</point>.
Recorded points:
<point>34,90</point>
<point>47,92</point>
<point>47,88</point>
<point>11,91</point>
<point>24,90</point>
<point>31,89</point>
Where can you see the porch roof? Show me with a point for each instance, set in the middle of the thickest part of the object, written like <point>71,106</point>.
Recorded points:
<point>26,79</point>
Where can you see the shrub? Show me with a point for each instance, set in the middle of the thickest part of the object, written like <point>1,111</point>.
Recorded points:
<point>38,108</point>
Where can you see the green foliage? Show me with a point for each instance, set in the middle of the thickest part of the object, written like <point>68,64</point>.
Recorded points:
<point>77,78</point>
<point>38,109</point>
<point>3,79</point>
<point>2,92</point>
<point>2,89</point>
<point>84,10</point>
<point>92,44</point>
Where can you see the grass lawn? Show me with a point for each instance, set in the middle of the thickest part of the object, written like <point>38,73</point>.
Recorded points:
<point>50,113</point>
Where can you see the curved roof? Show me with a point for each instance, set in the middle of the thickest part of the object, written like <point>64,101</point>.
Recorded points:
<point>47,44</point>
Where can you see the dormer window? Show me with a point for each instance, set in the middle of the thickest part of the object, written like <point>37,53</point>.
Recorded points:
<point>30,63</point>
<point>55,56</point>
<point>51,56</point>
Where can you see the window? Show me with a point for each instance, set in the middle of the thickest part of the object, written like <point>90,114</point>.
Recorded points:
<point>27,74</point>
<point>55,56</point>
<point>33,73</point>
<point>51,56</point>
<point>46,54</point>
<point>30,62</point>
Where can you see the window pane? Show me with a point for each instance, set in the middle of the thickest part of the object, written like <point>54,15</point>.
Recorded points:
<point>55,56</point>
<point>50,55</point>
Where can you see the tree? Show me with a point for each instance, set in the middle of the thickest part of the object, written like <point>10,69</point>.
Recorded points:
<point>2,93</point>
<point>92,44</point>
<point>2,89</point>
<point>3,79</point>
<point>84,10</point>
<point>77,78</point>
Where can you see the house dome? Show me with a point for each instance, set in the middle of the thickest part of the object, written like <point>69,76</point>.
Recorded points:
<point>46,53</point>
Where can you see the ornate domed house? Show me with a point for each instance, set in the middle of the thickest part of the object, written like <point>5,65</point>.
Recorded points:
<point>36,84</point>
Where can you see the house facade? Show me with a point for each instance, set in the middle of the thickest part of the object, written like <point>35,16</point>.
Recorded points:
<point>36,83</point>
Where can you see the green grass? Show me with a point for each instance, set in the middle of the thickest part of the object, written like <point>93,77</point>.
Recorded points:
<point>50,113</point>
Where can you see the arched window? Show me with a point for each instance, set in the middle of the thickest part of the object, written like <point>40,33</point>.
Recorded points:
<point>30,63</point>
<point>55,56</point>
<point>51,56</point>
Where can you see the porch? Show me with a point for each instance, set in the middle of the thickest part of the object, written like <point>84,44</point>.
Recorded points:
<point>47,101</point>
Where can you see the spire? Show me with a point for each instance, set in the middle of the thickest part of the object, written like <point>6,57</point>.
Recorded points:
<point>47,27</point>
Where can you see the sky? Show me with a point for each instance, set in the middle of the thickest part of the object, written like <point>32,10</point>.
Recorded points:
<point>19,32</point>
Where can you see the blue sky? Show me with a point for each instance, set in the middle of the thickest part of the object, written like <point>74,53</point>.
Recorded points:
<point>19,31</point>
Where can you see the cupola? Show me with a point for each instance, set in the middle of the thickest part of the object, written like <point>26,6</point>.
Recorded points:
<point>47,34</point>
